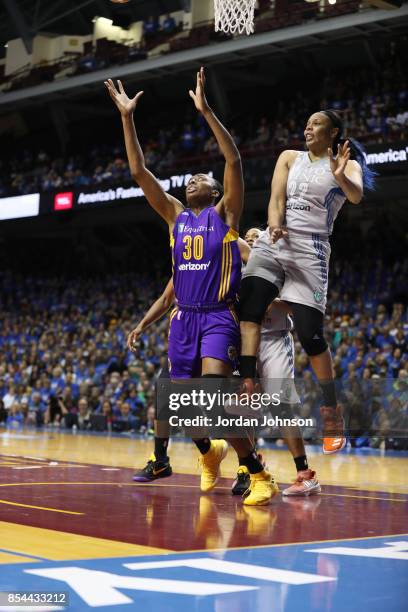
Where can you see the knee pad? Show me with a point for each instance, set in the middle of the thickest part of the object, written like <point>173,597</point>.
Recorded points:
<point>255,296</point>
<point>313,343</point>
<point>309,327</point>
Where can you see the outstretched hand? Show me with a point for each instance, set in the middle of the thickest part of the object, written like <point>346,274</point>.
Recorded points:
<point>126,105</point>
<point>338,164</point>
<point>198,96</point>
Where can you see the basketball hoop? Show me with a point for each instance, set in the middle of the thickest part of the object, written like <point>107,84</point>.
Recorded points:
<point>234,16</point>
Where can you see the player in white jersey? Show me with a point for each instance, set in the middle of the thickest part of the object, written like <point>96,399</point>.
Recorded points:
<point>291,259</point>
<point>276,370</point>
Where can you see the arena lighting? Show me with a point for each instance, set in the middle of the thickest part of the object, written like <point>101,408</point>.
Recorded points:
<point>332,1</point>
<point>104,20</point>
<point>19,207</point>
<point>310,1</point>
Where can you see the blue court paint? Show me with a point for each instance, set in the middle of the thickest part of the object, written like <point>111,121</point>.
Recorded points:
<point>369,574</point>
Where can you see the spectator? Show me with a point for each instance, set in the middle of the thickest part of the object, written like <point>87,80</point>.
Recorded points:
<point>123,419</point>
<point>84,413</point>
<point>10,396</point>
<point>3,413</point>
<point>150,417</point>
<point>150,28</point>
<point>169,24</point>
<point>55,411</point>
<point>263,133</point>
<point>187,139</point>
<point>15,418</point>
<point>36,409</point>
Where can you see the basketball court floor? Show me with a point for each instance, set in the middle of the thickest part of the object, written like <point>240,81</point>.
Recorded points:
<point>73,524</point>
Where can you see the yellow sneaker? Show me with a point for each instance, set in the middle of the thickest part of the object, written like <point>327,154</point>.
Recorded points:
<point>256,521</point>
<point>261,490</point>
<point>210,464</point>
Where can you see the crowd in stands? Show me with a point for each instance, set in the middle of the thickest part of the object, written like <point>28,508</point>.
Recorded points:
<point>373,104</point>
<point>63,356</point>
<point>367,329</point>
<point>160,35</point>
<point>64,360</point>
<point>152,26</point>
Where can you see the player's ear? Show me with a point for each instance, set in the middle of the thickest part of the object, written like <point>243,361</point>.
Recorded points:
<point>215,194</point>
<point>334,133</point>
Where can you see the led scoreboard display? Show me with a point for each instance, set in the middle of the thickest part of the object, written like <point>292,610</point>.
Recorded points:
<point>385,158</point>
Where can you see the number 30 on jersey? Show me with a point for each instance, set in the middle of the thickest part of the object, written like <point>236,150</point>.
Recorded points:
<point>193,247</point>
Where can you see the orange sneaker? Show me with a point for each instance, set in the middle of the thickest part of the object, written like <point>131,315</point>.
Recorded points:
<point>305,484</point>
<point>334,439</point>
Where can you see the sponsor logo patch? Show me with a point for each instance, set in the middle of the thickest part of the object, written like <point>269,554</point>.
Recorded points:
<point>318,296</point>
<point>193,267</point>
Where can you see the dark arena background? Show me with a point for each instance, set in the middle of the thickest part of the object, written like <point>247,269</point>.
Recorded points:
<point>83,256</point>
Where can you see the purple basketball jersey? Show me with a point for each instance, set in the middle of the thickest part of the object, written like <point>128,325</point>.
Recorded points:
<point>206,259</point>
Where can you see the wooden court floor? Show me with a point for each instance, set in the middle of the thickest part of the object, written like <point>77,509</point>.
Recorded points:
<point>68,497</point>
<point>74,524</point>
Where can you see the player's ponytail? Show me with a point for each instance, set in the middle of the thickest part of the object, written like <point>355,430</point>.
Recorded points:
<point>357,150</point>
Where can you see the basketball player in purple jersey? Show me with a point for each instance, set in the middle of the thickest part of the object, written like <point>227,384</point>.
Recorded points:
<point>204,330</point>
<point>276,357</point>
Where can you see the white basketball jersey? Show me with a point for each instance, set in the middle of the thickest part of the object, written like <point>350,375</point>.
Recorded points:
<point>276,320</point>
<point>313,196</point>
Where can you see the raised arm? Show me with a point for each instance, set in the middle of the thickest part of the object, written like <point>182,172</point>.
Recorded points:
<point>155,312</point>
<point>166,205</point>
<point>347,173</point>
<point>244,250</point>
<point>277,201</point>
<point>231,205</point>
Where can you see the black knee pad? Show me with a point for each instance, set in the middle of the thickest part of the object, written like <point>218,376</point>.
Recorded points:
<point>309,327</point>
<point>316,346</point>
<point>254,298</point>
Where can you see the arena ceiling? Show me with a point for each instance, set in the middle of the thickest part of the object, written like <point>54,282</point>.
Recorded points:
<point>25,18</point>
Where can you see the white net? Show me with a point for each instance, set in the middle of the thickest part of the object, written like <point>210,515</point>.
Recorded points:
<point>234,16</point>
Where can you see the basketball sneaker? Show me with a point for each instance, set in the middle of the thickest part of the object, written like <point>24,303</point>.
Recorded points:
<point>242,481</point>
<point>261,490</point>
<point>305,484</point>
<point>256,521</point>
<point>210,464</point>
<point>334,439</point>
<point>153,470</point>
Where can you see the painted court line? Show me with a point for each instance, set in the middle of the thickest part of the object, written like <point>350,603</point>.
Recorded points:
<point>177,486</point>
<point>10,503</point>
<point>19,554</point>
